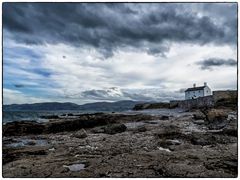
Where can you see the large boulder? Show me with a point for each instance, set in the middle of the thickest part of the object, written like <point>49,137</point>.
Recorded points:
<point>231,129</point>
<point>216,118</point>
<point>80,134</point>
<point>216,114</point>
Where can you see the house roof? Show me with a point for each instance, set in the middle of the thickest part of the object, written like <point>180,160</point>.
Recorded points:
<point>195,88</point>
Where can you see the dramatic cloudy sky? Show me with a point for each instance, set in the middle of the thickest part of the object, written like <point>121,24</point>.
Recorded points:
<point>87,52</point>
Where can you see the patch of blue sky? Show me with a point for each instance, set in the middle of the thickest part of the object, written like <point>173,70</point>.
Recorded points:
<point>25,83</point>
<point>22,71</point>
<point>41,90</point>
<point>41,71</point>
<point>17,52</point>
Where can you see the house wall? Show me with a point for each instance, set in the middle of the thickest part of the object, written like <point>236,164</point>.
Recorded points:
<point>194,94</point>
<point>206,101</point>
<point>207,91</point>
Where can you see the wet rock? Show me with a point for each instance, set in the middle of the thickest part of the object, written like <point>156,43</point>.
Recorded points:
<point>164,150</point>
<point>84,121</point>
<point>229,165</point>
<point>97,130</point>
<point>140,129</point>
<point>169,132</point>
<point>11,154</point>
<point>217,125</point>
<point>20,128</point>
<point>9,140</point>
<point>203,139</point>
<point>31,143</point>
<point>50,117</point>
<point>115,128</point>
<point>80,134</point>
<point>230,132</point>
<point>231,128</point>
<point>199,116</point>
<point>73,124</point>
<point>164,117</point>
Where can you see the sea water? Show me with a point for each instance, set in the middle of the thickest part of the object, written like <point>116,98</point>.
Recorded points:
<point>10,116</point>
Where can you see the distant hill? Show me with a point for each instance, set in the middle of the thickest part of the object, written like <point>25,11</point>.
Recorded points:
<point>53,106</point>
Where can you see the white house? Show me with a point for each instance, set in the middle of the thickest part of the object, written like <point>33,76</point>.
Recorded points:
<point>195,92</point>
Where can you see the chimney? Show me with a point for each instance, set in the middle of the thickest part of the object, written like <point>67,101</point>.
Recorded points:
<point>194,85</point>
<point>205,84</point>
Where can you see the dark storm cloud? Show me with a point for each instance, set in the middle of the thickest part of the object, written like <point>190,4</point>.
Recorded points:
<point>182,90</point>
<point>109,26</point>
<point>215,62</point>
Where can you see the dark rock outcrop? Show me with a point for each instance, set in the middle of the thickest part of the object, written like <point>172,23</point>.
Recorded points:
<point>74,124</point>
<point>140,129</point>
<point>226,99</point>
<point>10,154</point>
<point>22,128</point>
<point>199,116</point>
<point>97,130</point>
<point>164,117</point>
<point>231,128</point>
<point>202,139</point>
<point>169,132</point>
<point>114,128</point>
<point>30,127</point>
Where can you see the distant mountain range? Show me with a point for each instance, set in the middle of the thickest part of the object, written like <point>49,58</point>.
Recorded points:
<point>53,106</point>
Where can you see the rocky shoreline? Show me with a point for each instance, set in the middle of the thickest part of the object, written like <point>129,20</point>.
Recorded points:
<point>197,143</point>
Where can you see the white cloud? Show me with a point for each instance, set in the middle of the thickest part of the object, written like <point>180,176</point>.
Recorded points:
<point>17,97</point>
<point>75,70</point>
